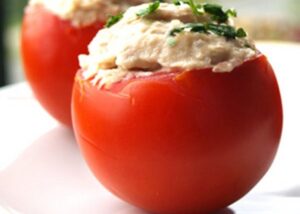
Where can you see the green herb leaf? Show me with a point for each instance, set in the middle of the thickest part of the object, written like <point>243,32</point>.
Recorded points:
<point>216,11</point>
<point>150,9</point>
<point>176,31</point>
<point>180,2</point>
<point>197,27</point>
<point>194,7</point>
<point>171,41</point>
<point>247,46</point>
<point>219,29</point>
<point>113,20</point>
<point>222,30</point>
<point>241,33</point>
<point>193,27</point>
<point>176,2</point>
<point>231,12</point>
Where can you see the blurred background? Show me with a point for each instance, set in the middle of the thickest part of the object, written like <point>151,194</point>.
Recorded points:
<point>272,20</point>
<point>11,12</point>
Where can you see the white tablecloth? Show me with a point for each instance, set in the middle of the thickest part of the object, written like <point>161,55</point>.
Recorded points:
<point>42,172</point>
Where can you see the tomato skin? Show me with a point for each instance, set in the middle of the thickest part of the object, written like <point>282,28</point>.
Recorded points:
<point>50,48</point>
<point>186,142</point>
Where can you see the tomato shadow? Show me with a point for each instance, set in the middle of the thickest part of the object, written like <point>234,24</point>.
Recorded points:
<point>50,177</point>
<point>132,210</point>
<point>225,211</point>
<point>292,192</point>
<point>24,183</point>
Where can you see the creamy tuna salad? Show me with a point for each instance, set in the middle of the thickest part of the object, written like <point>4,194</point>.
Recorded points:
<point>161,37</point>
<point>85,12</point>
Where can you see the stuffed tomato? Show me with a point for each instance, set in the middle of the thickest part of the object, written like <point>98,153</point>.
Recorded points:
<point>175,110</point>
<point>54,33</point>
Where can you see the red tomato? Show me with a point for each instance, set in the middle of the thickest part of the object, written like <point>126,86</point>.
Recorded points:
<point>181,142</point>
<point>50,47</point>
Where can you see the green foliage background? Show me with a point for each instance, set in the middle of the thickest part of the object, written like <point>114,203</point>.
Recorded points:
<point>14,10</point>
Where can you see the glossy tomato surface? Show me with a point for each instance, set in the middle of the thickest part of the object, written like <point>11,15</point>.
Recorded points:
<point>181,142</point>
<point>50,49</point>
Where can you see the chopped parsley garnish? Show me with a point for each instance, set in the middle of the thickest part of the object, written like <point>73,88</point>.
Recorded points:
<point>231,12</point>
<point>218,24</point>
<point>197,27</point>
<point>176,2</point>
<point>216,12</point>
<point>222,30</point>
<point>247,45</point>
<point>176,31</point>
<point>241,33</point>
<point>219,29</point>
<point>195,8</point>
<point>113,20</point>
<point>171,41</point>
<point>150,9</point>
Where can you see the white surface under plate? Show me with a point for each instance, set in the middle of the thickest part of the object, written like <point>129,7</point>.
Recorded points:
<point>42,172</point>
